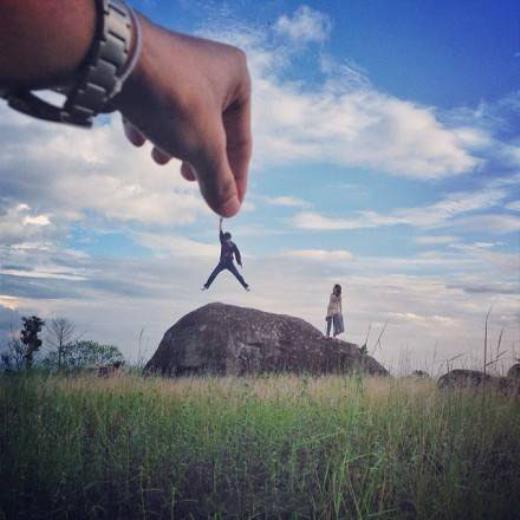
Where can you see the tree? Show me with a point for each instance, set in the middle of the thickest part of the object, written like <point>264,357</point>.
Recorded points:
<point>87,353</point>
<point>60,333</point>
<point>13,357</point>
<point>29,337</point>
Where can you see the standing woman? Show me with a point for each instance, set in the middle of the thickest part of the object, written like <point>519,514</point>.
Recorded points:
<point>335,312</point>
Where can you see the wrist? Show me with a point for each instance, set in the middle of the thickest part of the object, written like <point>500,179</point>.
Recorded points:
<point>34,53</point>
<point>112,56</point>
<point>129,99</point>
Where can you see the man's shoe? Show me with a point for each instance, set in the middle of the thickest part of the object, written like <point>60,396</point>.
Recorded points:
<point>204,288</point>
<point>247,288</point>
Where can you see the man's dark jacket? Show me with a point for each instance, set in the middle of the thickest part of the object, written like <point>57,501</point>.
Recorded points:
<point>227,250</point>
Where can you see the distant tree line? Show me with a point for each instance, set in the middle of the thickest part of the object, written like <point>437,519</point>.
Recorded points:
<point>65,350</point>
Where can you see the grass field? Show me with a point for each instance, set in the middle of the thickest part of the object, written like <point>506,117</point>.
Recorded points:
<point>268,447</point>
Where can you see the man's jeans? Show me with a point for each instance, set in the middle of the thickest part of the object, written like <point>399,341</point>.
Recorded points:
<point>230,266</point>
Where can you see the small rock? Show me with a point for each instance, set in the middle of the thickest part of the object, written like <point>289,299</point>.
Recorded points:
<point>514,371</point>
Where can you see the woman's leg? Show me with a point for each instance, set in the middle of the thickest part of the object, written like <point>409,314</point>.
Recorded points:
<point>337,321</point>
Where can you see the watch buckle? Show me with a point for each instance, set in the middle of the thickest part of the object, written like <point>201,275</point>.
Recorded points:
<point>31,105</point>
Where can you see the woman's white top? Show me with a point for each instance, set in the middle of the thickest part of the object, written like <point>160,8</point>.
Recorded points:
<point>334,305</point>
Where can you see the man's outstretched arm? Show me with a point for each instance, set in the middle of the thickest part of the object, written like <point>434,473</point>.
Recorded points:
<point>220,232</point>
<point>199,114</point>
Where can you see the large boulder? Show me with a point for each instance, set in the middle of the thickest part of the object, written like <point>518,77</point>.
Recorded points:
<point>462,378</point>
<point>226,339</point>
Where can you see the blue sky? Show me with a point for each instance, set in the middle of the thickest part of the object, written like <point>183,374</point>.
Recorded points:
<point>386,158</point>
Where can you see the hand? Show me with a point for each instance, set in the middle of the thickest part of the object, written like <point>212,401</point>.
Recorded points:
<point>192,99</point>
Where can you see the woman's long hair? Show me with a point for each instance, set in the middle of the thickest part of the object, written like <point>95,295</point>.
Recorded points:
<point>337,289</point>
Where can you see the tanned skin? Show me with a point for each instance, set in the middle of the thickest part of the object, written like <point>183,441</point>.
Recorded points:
<point>189,96</point>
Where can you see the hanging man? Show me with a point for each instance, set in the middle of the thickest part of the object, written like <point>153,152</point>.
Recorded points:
<point>228,250</point>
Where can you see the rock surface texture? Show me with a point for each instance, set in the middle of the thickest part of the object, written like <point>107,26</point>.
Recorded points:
<point>462,378</point>
<point>230,340</point>
<point>514,371</point>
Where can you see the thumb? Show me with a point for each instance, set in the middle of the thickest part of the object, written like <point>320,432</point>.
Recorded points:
<point>216,180</point>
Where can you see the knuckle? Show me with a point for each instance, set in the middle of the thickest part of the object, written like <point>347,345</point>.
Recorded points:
<point>226,189</point>
<point>187,105</point>
<point>241,57</point>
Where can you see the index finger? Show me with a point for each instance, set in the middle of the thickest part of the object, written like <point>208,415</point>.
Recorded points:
<point>239,141</point>
<point>216,180</point>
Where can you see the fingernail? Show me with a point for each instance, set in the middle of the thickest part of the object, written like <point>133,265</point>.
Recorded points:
<point>159,156</point>
<point>230,207</point>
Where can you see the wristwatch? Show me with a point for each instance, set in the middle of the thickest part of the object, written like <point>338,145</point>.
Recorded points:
<point>109,62</point>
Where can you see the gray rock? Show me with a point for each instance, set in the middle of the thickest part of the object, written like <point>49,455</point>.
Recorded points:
<point>464,378</point>
<point>420,374</point>
<point>461,378</point>
<point>514,371</point>
<point>226,339</point>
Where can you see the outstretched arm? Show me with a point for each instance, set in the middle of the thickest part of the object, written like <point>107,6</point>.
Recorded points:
<point>198,114</point>
<point>221,233</point>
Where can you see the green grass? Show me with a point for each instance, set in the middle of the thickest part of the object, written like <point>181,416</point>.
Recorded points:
<point>269,447</point>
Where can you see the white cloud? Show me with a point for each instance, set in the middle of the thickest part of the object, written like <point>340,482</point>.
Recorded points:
<point>315,221</point>
<point>321,254</point>
<point>345,120</point>
<point>435,239</point>
<point>490,223</point>
<point>9,302</point>
<point>363,127</point>
<point>434,215</point>
<point>19,224</point>
<point>305,25</point>
<point>38,220</point>
<point>57,274</point>
<point>176,245</point>
<point>514,205</point>
<point>504,262</point>
<point>94,170</point>
<point>487,245</point>
<point>287,201</point>
<point>452,205</point>
<point>406,317</point>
